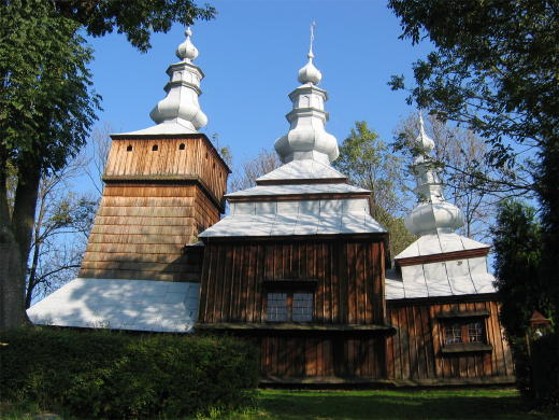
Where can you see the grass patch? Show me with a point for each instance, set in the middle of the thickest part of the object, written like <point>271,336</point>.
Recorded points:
<point>380,404</point>
<point>389,404</point>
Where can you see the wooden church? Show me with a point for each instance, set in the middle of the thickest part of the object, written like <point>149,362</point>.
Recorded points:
<point>297,266</point>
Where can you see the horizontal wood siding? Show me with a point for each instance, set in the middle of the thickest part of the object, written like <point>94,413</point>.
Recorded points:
<point>140,232</point>
<point>347,272</point>
<point>415,351</point>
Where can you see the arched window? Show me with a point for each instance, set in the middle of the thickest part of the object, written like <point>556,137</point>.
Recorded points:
<point>129,148</point>
<point>154,148</point>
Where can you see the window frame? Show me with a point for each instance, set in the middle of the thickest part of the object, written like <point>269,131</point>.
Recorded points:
<point>464,332</point>
<point>299,303</point>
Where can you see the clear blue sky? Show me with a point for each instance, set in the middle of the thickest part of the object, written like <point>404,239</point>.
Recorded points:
<point>251,54</point>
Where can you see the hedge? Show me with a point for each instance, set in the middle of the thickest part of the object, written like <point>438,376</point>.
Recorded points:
<point>101,374</point>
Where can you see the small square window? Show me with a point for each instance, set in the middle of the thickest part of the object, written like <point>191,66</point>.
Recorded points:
<point>289,306</point>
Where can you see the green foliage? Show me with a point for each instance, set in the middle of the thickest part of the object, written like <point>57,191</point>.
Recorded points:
<point>46,105</point>
<point>544,364</point>
<point>137,19</point>
<point>114,375</point>
<point>517,245</point>
<point>370,164</point>
<point>494,68</point>
<point>520,283</point>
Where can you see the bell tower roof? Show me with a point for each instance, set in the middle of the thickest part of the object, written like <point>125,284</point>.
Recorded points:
<point>179,112</point>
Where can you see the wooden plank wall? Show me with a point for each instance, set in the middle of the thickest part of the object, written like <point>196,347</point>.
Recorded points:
<point>135,157</point>
<point>349,278</point>
<point>322,356</point>
<point>140,232</point>
<point>414,353</point>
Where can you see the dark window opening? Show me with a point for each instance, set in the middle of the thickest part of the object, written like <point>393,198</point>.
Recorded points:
<point>129,148</point>
<point>182,146</point>
<point>154,148</point>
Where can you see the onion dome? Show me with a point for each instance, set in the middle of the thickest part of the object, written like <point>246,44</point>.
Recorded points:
<point>432,213</point>
<point>187,51</point>
<point>309,73</point>
<point>307,137</point>
<point>180,106</point>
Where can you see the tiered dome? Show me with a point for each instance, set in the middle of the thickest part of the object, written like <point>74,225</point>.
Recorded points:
<point>307,137</point>
<point>432,213</point>
<point>180,106</point>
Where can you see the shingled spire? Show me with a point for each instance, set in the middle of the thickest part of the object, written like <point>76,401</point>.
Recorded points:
<point>307,137</point>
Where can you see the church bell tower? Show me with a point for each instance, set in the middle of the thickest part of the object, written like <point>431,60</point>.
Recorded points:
<point>163,186</point>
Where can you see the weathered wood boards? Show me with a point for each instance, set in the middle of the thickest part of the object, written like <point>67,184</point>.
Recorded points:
<point>417,353</point>
<point>159,194</point>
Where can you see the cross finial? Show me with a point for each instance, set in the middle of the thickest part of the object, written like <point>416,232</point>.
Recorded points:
<point>313,25</point>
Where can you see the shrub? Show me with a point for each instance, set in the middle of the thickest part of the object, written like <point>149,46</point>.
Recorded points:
<point>118,375</point>
<point>545,370</point>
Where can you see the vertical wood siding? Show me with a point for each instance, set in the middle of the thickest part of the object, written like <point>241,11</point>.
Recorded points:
<point>319,356</point>
<point>349,285</point>
<point>347,273</point>
<point>415,351</point>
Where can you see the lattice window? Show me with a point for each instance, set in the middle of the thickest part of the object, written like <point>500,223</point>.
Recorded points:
<point>453,333</point>
<point>276,311</point>
<point>302,307</point>
<point>289,306</point>
<point>458,331</point>
<point>476,333</point>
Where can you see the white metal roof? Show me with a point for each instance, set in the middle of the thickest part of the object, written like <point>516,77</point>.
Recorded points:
<point>302,170</point>
<point>169,127</point>
<point>136,305</point>
<point>297,189</point>
<point>448,278</point>
<point>439,243</point>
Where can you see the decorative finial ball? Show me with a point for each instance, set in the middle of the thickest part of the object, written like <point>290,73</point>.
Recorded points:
<point>187,51</point>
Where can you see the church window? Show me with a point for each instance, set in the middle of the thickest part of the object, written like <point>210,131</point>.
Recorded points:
<point>464,332</point>
<point>289,307</point>
<point>276,310</point>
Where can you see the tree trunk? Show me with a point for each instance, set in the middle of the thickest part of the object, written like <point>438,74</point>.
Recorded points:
<point>12,280</point>
<point>25,204</point>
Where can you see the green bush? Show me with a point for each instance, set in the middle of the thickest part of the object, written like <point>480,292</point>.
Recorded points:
<point>545,370</point>
<point>117,375</point>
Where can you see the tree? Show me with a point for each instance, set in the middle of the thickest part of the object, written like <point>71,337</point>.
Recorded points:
<point>468,179</point>
<point>62,225</point>
<point>369,163</point>
<point>517,237</point>
<point>266,161</point>
<point>47,106</point>
<point>495,68</point>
